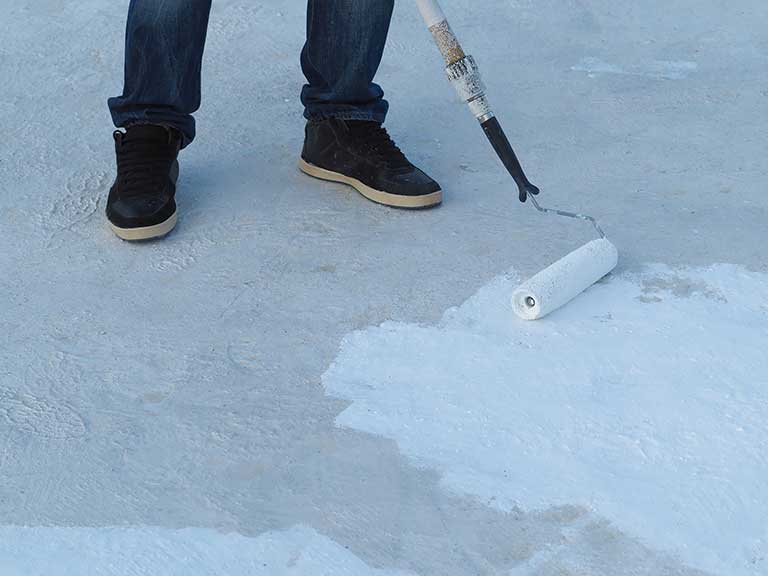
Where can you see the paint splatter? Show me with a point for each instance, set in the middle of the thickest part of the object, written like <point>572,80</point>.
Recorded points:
<point>659,69</point>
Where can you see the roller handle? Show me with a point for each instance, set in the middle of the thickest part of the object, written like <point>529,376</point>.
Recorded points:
<point>446,40</point>
<point>431,12</point>
<point>504,149</point>
<point>464,74</point>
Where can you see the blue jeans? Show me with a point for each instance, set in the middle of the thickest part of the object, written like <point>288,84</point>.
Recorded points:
<point>164,47</point>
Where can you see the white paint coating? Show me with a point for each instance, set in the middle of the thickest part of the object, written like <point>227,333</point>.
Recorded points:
<point>466,79</point>
<point>565,279</point>
<point>431,12</point>
<point>656,69</point>
<point>645,400</point>
<point>149,551</point>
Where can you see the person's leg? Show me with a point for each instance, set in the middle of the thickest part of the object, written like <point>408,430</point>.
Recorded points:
<point>345,43</point>
<point>345,140</point>
<point>164,47</point>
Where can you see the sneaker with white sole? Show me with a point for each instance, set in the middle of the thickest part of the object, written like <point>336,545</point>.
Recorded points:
<point>362,154</point>
<point>141,203</point>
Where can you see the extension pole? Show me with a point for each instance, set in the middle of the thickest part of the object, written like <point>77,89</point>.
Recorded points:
<point>464,75</point>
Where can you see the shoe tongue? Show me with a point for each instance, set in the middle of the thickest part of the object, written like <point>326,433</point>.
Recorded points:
<point>147,132</point>
<point>358,126</point>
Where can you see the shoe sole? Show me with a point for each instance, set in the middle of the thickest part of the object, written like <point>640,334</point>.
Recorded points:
<point>378,196</point>
<point>147,232</point>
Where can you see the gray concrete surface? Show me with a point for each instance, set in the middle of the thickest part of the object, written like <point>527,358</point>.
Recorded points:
<point>177,383</point>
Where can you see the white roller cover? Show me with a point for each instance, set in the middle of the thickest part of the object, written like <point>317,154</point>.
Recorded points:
<point>565,279</point>
<point>431,12</point>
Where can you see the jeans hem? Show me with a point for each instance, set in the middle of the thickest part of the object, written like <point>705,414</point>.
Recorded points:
<point>347,115</point>
<point>184,125</point>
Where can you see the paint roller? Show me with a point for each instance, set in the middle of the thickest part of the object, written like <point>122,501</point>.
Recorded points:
<point>557,285</point>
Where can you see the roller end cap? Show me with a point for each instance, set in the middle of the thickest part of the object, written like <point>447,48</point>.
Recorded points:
<point>525,305</point>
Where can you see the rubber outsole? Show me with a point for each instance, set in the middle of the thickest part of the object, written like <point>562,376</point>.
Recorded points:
<point>378,196</point>
<point>146,233</point>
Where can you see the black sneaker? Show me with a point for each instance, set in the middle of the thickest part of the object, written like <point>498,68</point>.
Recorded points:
<point>362,154</point>
<point>141,203</point>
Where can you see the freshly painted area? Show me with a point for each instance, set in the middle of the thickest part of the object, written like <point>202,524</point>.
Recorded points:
<point>645,400</point>
<point>116,551</point>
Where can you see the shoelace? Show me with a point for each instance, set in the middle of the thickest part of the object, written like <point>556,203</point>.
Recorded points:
<point>377,140</point>
<point>143,164</point>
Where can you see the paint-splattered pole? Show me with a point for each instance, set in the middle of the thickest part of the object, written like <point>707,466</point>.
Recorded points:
<point>464,74</point>
<point>461,69</point>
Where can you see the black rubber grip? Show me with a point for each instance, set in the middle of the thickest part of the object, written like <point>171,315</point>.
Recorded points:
<point>503,148</point>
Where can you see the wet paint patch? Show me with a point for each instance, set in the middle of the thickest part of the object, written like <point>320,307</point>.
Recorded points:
<point>645,400</point>
<point>54,551</point>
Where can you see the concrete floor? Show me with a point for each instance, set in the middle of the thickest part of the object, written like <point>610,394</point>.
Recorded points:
<point>177,383</point>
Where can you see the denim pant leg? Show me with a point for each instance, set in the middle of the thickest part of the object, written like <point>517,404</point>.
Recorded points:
<point>345,43</point>
<point>164,47</point>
